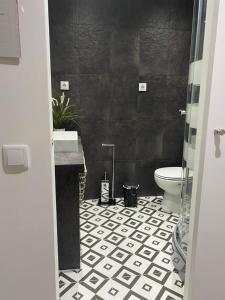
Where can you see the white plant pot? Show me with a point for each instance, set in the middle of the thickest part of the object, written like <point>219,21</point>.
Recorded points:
<point>62,129</point>
<point>65,141</point>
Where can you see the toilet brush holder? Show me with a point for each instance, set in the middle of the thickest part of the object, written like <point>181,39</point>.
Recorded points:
<point>111,200</point>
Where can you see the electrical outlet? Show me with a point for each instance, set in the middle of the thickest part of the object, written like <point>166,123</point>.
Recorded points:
<point>64,85</point>
<point>142,87</point>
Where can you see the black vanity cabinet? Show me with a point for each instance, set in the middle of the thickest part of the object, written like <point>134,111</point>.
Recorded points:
<point>68,166</point>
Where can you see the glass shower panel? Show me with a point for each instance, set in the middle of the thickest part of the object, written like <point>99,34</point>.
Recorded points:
<point>180,241</point>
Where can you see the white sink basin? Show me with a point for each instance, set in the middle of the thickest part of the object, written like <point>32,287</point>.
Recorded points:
<point>65,141</point>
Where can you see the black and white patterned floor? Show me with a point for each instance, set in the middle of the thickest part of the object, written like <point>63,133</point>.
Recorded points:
<point>126,254</point>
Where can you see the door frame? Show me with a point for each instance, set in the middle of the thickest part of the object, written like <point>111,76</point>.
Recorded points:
<point>206,106</point>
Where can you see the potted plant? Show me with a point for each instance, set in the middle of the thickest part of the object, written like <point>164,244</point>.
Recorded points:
<point>64,114</point>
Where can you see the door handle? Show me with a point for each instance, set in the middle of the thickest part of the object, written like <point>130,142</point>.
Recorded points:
<point>182,112</point>
<point>219,131</point>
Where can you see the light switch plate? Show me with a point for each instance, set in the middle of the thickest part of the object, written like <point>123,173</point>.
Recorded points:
<point>16,156</point>
<point>142,87</point>
<point>64,85</point>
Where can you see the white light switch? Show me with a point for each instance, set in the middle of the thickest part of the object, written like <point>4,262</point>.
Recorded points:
<point>142,87</point>
<point>16,156</point>
<point>64,85</point>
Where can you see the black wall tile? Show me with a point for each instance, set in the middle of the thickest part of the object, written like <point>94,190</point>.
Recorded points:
<point>146,181</point>
<point>124,52</point>
<point>95,12</point>
<point>94,134</point>
<point>173,141</point>
<point>105,48</point>
<point>94,49</point>
<point>95,96</point>
<point>154,51</point>
<point>64,48</point>
<point>62,13</point>
<point>153,103</point>
<point>182,12</point>
<point>127,18</point>
<point>150,137</point>
<point>156,13</point>
<point>123,134</point>
<point>179,52</point>
<point>123,97</point>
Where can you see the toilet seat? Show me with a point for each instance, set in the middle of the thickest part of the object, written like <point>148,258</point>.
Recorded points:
<point>171,173</point>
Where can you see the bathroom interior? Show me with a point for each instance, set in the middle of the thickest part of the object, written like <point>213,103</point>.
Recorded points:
<point>131,71</point>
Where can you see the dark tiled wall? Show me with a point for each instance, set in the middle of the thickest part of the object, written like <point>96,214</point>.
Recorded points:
<point>105,48</point>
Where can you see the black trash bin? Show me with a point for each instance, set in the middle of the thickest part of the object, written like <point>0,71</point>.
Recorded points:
<point>130,195</point>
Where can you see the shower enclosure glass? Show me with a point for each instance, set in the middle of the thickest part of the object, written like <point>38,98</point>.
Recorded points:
<point>181,236</point>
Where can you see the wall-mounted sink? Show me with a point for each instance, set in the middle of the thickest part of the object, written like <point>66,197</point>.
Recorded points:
<point>65,141</point>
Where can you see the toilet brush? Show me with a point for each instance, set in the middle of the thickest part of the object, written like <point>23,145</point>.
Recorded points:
<point>112,200</point>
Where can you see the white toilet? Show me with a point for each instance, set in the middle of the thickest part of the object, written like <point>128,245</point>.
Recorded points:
<point>170,180</point>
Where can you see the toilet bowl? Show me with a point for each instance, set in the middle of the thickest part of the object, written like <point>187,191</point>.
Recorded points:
<point>170,180</point>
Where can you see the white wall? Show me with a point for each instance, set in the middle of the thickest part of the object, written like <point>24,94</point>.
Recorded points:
<point>206,264</point>
<point>27,213</point>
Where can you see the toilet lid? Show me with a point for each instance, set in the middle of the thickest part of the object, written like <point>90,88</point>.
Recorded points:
<point>172,173</point>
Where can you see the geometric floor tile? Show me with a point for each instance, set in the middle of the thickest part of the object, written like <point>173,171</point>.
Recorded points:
<point>124,230</point>
<point>157,273</point>
<point>108,214</point>
<point>83,293</point>
<point>162,234</point>
<point>85,269</point>
<point>156,243</point>
<point>88,226</point>
<point>66,282</point>
<point>91,258</point>
<point>168,249</point>
<point>139,236</point>
<point>108,267</point>
<point>147,253</point>
<point>134,224</point>
<point>89,241</point>
<point>70,293</point>
<point>154,221</point>
<point>98,220</point>
<point>164,260</point>
<point>173,282</point>
<point>83,233</point>
<point>140,217</point>
<point>119,218</point>
<point>148,229</point>
<point>101,232</point>
<point>120,255</point>
<point>93,281</point>
<point>131,245</point>
<point>114,290</point>
<point>126,277</point>
<point>168,226</point>
<point>147,211</point>
<point>103,247</point>
<point>138,264</point>
<point>147,288</point>
<point>167,294</point>
<point>127,212</point>
<point>161,215</point>
<point>125,254</point>
<point>111,225</point>
<point>173,219</point>
<point>114,238</point>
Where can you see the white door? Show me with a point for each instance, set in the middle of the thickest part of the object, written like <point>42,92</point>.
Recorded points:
<point>206,258</point>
